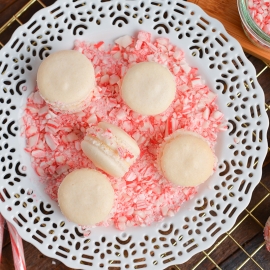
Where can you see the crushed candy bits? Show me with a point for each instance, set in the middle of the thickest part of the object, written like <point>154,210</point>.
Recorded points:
<point>260,12</point>
<point>143,195</point>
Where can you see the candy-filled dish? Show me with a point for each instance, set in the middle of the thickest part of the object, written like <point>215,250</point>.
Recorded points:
<point>112,128</point>
<point>255,21</point>
<point>145,94</point>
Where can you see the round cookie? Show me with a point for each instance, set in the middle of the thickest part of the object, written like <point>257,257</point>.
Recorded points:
<point>66,80</point>
<point>148,88</point>
<point>86,197</point>
<point>110,148</point>
<point>186,159</point>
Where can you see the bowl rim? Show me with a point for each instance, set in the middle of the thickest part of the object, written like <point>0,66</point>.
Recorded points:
<point>250,24</point>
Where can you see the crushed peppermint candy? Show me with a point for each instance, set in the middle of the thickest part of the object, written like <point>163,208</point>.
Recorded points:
<point>143,195</point>
<point>260,12</point>
<point>266,233</point>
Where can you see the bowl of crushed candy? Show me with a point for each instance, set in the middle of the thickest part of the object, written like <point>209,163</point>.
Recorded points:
<point>255,22</point>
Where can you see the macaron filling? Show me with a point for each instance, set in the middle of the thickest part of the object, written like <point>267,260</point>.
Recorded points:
<point>72,107</point>
<point>106,137</point>
<point>110,148</point>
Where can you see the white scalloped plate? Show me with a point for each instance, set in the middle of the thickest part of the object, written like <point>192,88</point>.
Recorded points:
<point>219,201</point>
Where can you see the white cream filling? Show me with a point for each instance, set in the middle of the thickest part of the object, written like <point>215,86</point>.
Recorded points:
<point>108,151</point>
<point>70,107</point>
<point>111,141</point>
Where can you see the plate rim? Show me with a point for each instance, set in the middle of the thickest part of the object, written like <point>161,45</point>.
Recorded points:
<point>233,219</point>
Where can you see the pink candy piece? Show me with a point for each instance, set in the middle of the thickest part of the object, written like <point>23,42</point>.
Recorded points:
<point>267,234</point>
<point>17,248</point>
<point>260,12</point>
<point>2,227</point>
<point>143,195</point>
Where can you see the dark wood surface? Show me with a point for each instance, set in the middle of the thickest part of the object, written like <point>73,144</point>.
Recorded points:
<point>227,254</point>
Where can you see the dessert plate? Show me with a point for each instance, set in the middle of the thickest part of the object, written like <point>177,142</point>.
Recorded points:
<point>240,150</point>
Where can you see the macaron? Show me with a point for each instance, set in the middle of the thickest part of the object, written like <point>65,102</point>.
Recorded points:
<point>110,148</point>
<point>66,81</point>
<point>148,88</point>
<point>86,197</point>
<point>186,159</point>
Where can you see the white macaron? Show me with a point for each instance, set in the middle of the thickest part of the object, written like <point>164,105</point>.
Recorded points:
<point>186,159</point>
<point>86,197</point>
<point>66,81</point>
<point>110,148</point>
<point>148,88</point>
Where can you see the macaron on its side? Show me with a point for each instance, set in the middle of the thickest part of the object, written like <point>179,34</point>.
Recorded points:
<point>104,157</point>
<point>110,148</point>
<point>86,197</point>
<point>123,139</point>
<point>66,79</point>
<point>186,159</point>
<point>148,88</point>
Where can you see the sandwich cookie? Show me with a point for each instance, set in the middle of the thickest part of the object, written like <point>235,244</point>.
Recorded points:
<point>110,148</point>
<point>66,81</point>
<point>85,197</point>
<point>186,159</point>
<point>148,88</point>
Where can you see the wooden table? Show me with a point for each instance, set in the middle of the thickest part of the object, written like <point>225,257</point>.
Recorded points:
<point>243,246</point>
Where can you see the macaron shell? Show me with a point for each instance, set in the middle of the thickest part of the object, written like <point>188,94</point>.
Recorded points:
<point>148,88</point>
<point>108,163</point>
<point>187,160</point>
<point>126,139</point>
<point>66,77</point>
<point>86,197</point>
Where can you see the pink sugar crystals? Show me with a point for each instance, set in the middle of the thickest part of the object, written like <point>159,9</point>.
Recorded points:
<point>142,195</point>
<point>260,12</point>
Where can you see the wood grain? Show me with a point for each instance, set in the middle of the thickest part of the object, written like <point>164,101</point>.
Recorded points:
<point>227,13</point>
<point>249,234</point>
<point>4,4</point>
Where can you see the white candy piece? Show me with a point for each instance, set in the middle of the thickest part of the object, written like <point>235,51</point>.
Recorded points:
<point>124,41</point>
